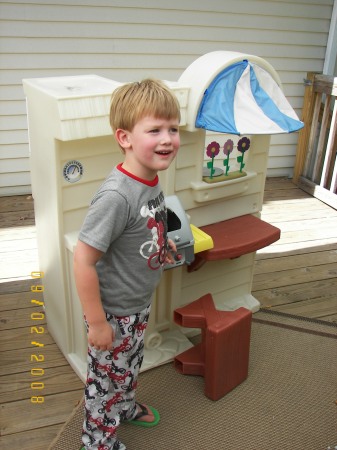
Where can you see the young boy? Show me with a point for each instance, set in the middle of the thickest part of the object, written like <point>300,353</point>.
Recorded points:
<point>115,273</point>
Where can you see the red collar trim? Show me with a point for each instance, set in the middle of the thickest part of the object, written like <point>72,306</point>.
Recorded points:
<point>151,183</point>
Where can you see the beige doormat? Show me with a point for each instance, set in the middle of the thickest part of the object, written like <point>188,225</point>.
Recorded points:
<point>288,401</point>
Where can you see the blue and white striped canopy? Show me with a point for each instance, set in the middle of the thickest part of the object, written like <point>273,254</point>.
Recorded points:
<point>245,99</point>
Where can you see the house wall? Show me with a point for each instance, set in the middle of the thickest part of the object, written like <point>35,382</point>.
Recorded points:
<point>127,40</point>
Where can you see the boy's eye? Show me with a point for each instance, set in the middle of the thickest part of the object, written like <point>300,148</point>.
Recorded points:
<point>172,130</point>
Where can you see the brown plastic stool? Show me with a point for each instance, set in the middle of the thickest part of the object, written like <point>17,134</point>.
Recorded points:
<point>222,357</point>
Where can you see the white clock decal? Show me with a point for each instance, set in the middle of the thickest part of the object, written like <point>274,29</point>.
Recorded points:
<point>72,171</point>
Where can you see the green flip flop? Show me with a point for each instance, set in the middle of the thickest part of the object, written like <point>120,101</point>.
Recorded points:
<point>144,412</point>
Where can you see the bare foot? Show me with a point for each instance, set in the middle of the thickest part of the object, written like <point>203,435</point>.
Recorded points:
<point>144,413</point>
<point>146,416</point>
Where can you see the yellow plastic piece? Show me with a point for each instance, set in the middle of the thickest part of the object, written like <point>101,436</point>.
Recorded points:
<point>202,240</point>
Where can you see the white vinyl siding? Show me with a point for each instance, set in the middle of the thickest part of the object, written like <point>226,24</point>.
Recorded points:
<point>128,40</point>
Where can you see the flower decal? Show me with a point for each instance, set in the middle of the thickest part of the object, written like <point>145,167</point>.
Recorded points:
<point>213,149</point>
<point>228,147</point>
<point>243,146</point>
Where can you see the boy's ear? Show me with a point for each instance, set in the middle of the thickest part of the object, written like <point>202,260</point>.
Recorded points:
<point>122,137</point>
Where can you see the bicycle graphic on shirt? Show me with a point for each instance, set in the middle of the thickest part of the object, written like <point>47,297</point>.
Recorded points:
<point>154,250</point>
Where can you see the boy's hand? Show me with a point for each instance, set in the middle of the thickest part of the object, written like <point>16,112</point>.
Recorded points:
<point>169,257</point>
<point>101,336</point>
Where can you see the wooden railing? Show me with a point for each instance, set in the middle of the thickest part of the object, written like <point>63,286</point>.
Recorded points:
<point>315,168</point>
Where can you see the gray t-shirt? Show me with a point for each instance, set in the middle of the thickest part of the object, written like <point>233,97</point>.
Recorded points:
<point>127,220</point>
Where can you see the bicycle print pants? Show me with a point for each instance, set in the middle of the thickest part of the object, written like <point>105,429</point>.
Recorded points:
<point>112,381</point>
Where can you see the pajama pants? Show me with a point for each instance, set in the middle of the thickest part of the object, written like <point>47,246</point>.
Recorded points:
<point>112,381</point>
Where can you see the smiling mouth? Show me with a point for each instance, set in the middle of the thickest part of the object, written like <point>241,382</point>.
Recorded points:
<point>163,152</point>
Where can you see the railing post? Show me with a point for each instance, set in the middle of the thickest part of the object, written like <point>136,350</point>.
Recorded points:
<point>316,173</point>
<point>307,114</point>
<point>330,156</point>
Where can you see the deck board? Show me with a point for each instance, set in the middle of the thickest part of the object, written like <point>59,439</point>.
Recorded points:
<point>32,439</point>
<point>33,417</point>
<point>21,360</point>
<point>297,275</point>
<point>56,379</point>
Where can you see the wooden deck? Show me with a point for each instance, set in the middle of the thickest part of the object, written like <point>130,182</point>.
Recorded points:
<point>297,274</point>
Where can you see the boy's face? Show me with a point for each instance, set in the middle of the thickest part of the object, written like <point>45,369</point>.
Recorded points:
<point>151,146</point>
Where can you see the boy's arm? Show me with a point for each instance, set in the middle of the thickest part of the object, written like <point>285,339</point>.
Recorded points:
<point>100,333</point>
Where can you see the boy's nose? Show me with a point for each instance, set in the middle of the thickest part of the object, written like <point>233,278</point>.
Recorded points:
<point>166,137</point>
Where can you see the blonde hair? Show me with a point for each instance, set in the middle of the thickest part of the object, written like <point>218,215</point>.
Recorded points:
<point>132,102</point>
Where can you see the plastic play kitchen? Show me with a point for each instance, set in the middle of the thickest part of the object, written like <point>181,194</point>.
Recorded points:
<point>231,103</point>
